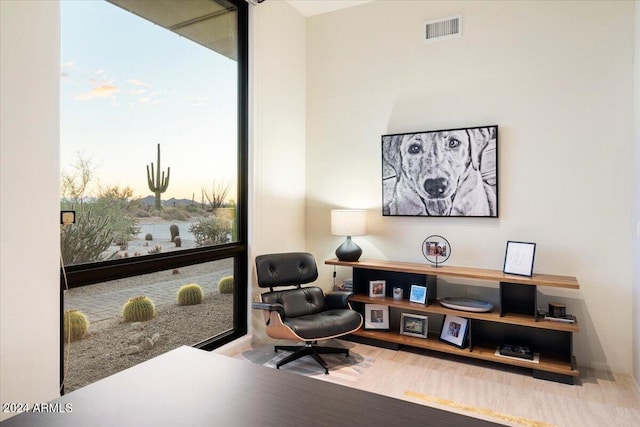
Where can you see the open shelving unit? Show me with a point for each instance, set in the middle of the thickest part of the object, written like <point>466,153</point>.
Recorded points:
<point>515,322</point>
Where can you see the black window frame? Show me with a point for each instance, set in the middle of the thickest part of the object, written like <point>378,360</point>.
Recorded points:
<point>79,275</point>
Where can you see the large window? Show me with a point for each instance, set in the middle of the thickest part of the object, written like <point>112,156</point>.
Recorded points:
<point>154,165</point>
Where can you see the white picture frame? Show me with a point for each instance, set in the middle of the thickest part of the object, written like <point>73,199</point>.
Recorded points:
<point>418,294</point>
<point>376,316</point>
<point>454,330</point>
<point>377,288</point>
<point>519,257</point>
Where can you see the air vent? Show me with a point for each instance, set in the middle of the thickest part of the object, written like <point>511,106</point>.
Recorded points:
<point>443,28</point>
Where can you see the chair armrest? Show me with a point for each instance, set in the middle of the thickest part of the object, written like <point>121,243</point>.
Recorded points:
<point>269,307</point>
<point>337,299</point>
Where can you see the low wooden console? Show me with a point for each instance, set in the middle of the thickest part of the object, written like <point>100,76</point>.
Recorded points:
<point>515,322</point>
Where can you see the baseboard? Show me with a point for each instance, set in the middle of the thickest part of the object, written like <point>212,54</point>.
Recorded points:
<point>235,346</point>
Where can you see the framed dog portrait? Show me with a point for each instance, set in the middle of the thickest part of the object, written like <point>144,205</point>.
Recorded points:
<point>454,330</point>
<point>444,173</point>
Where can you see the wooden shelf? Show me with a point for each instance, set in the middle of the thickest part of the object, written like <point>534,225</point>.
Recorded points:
<point>492,316</point>
<point>547,363</point>
<point>514,321</point>
<point>568,282</point>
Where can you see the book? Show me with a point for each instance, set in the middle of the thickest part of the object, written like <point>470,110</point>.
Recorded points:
<point>569,318</point>
<point>564,319</point>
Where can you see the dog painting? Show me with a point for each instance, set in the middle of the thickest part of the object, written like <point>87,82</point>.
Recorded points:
<point>441,173</point>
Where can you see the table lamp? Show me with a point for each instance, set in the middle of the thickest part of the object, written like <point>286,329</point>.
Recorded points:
<point>348,222</point>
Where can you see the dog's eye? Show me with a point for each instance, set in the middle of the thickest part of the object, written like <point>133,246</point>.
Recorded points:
<point>453,143</point>
<point>415,149</point>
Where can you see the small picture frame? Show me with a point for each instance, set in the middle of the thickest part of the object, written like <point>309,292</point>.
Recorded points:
<point>454,330</point>
<point>376,316</point>
<point>413,325</point>
<point>519,258</point>
<point>377,288</point>
<point>418,294</point>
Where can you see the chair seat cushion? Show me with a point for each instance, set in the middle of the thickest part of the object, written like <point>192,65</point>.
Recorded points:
<point>326,324</point>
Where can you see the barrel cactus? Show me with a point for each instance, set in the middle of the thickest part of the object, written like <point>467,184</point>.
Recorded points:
<point>175,231</point>
<point>225,285</point>
<point>75,325</point>
<point>138,309</point>
<point>148,237</point>
<point>190,294</point>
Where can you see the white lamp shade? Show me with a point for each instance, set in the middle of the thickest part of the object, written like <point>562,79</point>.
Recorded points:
<point>348,222</point>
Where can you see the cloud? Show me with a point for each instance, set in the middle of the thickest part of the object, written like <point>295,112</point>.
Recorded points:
<point>102,91</point>
<point>138,82</point>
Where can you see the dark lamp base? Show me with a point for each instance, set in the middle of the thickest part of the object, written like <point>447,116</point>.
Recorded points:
<point>348,251</point>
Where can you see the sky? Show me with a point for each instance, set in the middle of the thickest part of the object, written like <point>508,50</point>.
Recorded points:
<point>128,85</point>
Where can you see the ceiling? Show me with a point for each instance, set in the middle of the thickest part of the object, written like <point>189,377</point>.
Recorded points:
<point>316,7</point>
<point>209,23</point>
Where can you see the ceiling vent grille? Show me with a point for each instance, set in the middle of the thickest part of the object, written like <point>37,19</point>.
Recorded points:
<point>443,28</point>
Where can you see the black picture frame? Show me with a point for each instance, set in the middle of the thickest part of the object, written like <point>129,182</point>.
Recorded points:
<point>519,258</point>
<point>412,187</point>
<point>454,330</point>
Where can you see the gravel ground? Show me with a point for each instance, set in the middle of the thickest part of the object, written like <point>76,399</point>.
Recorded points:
<point>103,350</point>
<point>107,348</point>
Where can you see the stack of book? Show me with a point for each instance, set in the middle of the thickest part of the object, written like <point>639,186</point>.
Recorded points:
<point>346,285</point>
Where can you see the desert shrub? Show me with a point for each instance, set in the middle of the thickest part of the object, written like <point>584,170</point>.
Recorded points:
<point>155,250</point>
<point>140,213</point>
<point>215,229</point>
<point>116,203</point>
<point>225,285</point>
<point>190,294</point>
<point>138,309</point>
<point>174,214</point>
<point>86,240</point>
<point>75,325</point>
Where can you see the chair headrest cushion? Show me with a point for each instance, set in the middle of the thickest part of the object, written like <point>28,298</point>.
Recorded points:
<point>286,269</point>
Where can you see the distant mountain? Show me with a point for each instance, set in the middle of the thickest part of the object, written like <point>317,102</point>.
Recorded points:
<point>151,201</point>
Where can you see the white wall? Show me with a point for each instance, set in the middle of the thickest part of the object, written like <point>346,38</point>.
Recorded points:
<point>278,77</point>
<point>560,93</point>
<point>636,200</point>
<point>29,186</point>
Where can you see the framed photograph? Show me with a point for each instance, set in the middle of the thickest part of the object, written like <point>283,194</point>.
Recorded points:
<point>413,325</point>
<point>418,294</point>
<point>376,316</point>
<point>377,288</point>
<point>462,182</point>
<point>519,258</point>
<point>454,330</point>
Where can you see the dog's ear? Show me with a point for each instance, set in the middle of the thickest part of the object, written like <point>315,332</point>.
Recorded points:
<point>479,138</point>
<point>391,151</point>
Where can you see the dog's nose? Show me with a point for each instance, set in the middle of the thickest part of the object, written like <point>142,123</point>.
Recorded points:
<point>436,187</point>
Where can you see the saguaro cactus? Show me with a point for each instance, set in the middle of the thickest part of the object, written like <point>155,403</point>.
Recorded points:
<point>156,183</point>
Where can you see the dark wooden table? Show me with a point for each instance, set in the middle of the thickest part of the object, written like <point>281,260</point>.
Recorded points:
<point>190,387</point>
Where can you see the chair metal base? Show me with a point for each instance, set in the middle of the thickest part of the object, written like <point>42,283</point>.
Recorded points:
<point>309,349</point>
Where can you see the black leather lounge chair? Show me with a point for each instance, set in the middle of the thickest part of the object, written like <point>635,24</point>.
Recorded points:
<point>302,314</point>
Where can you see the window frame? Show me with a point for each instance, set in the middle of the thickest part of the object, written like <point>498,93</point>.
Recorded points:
<point>79,275</point>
